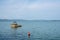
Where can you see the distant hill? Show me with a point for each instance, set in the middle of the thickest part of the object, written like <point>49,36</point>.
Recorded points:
<point>12,20</point>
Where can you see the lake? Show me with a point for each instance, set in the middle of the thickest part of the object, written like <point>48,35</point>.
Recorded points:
<point>39,30</point>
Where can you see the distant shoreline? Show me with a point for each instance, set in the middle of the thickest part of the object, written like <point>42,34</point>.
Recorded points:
<point>24,20</point>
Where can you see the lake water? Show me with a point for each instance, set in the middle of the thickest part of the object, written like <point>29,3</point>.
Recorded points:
<point>40,30</point>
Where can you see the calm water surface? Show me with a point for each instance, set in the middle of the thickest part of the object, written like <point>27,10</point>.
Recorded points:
<point>40,30</point>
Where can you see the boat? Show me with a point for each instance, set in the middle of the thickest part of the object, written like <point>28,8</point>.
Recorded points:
<point>15,25</point>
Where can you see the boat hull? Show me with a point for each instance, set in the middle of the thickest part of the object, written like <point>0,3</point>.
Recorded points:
<point>15,26</point>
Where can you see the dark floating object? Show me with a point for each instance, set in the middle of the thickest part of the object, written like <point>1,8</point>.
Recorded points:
<point>15,25</point>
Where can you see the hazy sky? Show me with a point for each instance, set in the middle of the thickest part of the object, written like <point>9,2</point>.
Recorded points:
<point>30,9</point>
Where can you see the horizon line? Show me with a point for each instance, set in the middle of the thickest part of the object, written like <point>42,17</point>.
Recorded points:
<point>29,19</point>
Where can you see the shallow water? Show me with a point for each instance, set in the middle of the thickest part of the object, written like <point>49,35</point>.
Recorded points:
<point>40,30</point>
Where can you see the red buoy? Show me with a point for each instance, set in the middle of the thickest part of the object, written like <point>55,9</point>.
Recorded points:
<point>28,34</point>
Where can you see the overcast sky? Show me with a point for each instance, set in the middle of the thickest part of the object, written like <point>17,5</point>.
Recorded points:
<point>30,9</point>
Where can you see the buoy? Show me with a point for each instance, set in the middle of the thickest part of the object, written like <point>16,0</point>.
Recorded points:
<point>29,34</point>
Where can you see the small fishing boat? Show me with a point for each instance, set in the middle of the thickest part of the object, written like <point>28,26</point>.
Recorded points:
<point>15,25</point>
